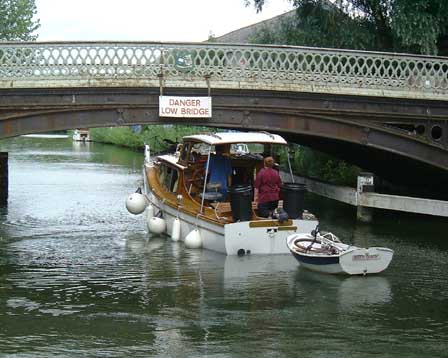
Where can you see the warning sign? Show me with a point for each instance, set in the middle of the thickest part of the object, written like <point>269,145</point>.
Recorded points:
<point>185,107</point>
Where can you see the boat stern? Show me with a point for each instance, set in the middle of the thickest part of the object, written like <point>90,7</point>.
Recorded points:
<point>263,236</point>
<point>363,261</point>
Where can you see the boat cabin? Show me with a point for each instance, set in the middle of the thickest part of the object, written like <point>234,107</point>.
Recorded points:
<point>185,173</point>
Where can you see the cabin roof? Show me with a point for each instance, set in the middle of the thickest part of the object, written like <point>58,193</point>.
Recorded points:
<point>172,159</point>
<point>236,137</point>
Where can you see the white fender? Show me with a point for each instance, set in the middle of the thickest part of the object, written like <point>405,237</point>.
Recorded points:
<point>156,225</point>
<point>149,212</point>
<point>136,203</point>
<point>175,233</point>
<point>193,239</point>
<point>147,154</point>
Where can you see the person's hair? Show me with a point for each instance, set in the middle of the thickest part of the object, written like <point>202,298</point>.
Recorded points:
<point>269,162</point>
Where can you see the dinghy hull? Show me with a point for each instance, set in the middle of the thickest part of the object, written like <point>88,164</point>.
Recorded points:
<point>333,257</point>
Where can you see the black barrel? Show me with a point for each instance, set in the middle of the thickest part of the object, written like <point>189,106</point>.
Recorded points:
<point>293,195</point>
<point>241,202</point>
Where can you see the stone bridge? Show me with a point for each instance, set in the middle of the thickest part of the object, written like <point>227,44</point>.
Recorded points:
<point>384,112</point>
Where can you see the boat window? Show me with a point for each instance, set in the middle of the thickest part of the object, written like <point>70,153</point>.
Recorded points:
<point>199,151</point>
<point>169,178</point>
<point>256,148</point>
<point>185,151</point>
<point>173,185</point>
<point>201,148</point>
<point>239,149</point>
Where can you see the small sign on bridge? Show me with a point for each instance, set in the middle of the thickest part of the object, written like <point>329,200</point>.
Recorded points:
<point>185,107</point>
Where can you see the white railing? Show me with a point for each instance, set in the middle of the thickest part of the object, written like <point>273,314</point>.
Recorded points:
<point>225,66</point>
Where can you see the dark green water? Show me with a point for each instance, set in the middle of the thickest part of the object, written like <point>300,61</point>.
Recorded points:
<point>79,277</point>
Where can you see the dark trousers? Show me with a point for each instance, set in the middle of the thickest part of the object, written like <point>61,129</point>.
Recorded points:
<point>266,209</point>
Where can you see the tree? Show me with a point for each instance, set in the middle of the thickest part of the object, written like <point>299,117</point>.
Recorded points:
<point>417,26</point>
<point>319,26</point>
<point>16,20</point>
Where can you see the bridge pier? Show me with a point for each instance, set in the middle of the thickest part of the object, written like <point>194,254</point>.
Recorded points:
<point>365,185</point>
<point>3,179</point>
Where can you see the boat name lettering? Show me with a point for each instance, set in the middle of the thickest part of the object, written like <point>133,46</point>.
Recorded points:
<point>366,257</point>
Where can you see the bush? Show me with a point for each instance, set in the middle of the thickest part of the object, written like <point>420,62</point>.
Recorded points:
<point>136,139</point>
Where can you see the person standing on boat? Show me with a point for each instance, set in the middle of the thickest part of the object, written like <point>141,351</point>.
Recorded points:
<point>220,171</point>
<point>267,188</point>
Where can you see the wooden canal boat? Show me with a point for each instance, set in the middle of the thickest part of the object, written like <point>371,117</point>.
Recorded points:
<point>183,204</point>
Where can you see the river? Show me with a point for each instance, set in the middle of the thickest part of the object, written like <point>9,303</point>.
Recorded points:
<point>79,276</point>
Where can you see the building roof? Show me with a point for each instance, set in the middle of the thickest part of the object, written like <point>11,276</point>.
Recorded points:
<point>244,34</point>
<point>236,137</point>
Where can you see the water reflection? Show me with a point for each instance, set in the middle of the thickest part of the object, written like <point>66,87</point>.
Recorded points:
<point>236,275</point>
<point>138,243</point>
<point>83,148</point>
<point>80,276</point>
<point>364,291</point>
<point>344,292</point>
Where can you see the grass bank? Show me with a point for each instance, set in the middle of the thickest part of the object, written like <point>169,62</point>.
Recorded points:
<point>136,137</point>
<point>304,161</point>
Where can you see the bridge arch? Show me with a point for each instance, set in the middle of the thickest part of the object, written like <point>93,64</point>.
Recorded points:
<point>388,152</point>
<point>385,112</point>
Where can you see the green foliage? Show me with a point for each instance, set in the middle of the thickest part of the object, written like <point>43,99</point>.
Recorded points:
<point>316,26</point>
<point>416,26</point>
<point>318,23</point>
<point>313,164</point>
<point>420,25</point>
<point>152,135</point>
<point>324,167</point>
<point>122,136</point>
<point>16,20</point>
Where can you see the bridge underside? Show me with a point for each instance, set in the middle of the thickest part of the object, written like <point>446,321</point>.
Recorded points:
<point>403,141</point>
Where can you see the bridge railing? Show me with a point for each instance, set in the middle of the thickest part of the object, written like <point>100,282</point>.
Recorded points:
<point>225,65</point>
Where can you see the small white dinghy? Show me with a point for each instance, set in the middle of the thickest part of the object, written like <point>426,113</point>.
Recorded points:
<point>324,252</point>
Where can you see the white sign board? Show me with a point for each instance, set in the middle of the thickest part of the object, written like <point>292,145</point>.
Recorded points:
<point>185,107</point>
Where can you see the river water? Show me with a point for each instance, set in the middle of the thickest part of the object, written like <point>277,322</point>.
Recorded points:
<point>79,276</point>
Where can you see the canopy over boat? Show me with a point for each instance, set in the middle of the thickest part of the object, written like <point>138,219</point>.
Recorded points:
<point>236,137</point>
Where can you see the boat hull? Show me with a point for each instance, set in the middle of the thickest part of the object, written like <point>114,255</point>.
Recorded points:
<point>363,261</point>
<point>350,260</point>
<point>258,237</point>
<point>81,136</point>
<point>325,264</point>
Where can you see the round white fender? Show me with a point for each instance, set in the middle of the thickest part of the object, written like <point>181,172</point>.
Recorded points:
<point>175,233</point>
<point>136,203</point>
<point>193,239</point>
<point>156,225</point>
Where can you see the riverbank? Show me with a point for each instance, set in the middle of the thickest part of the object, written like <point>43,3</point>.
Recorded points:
<point>159,137</point>
<point>304,161</point>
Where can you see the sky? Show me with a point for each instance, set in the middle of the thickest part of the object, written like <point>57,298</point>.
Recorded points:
<point>147,20</point>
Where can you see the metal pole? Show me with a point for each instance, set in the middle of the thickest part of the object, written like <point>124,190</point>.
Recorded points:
<point>289,164</point>
<point>205,177</point>
<point>3,179</point>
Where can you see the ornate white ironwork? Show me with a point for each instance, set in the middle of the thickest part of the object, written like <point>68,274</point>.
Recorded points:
<point>226,66</point>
